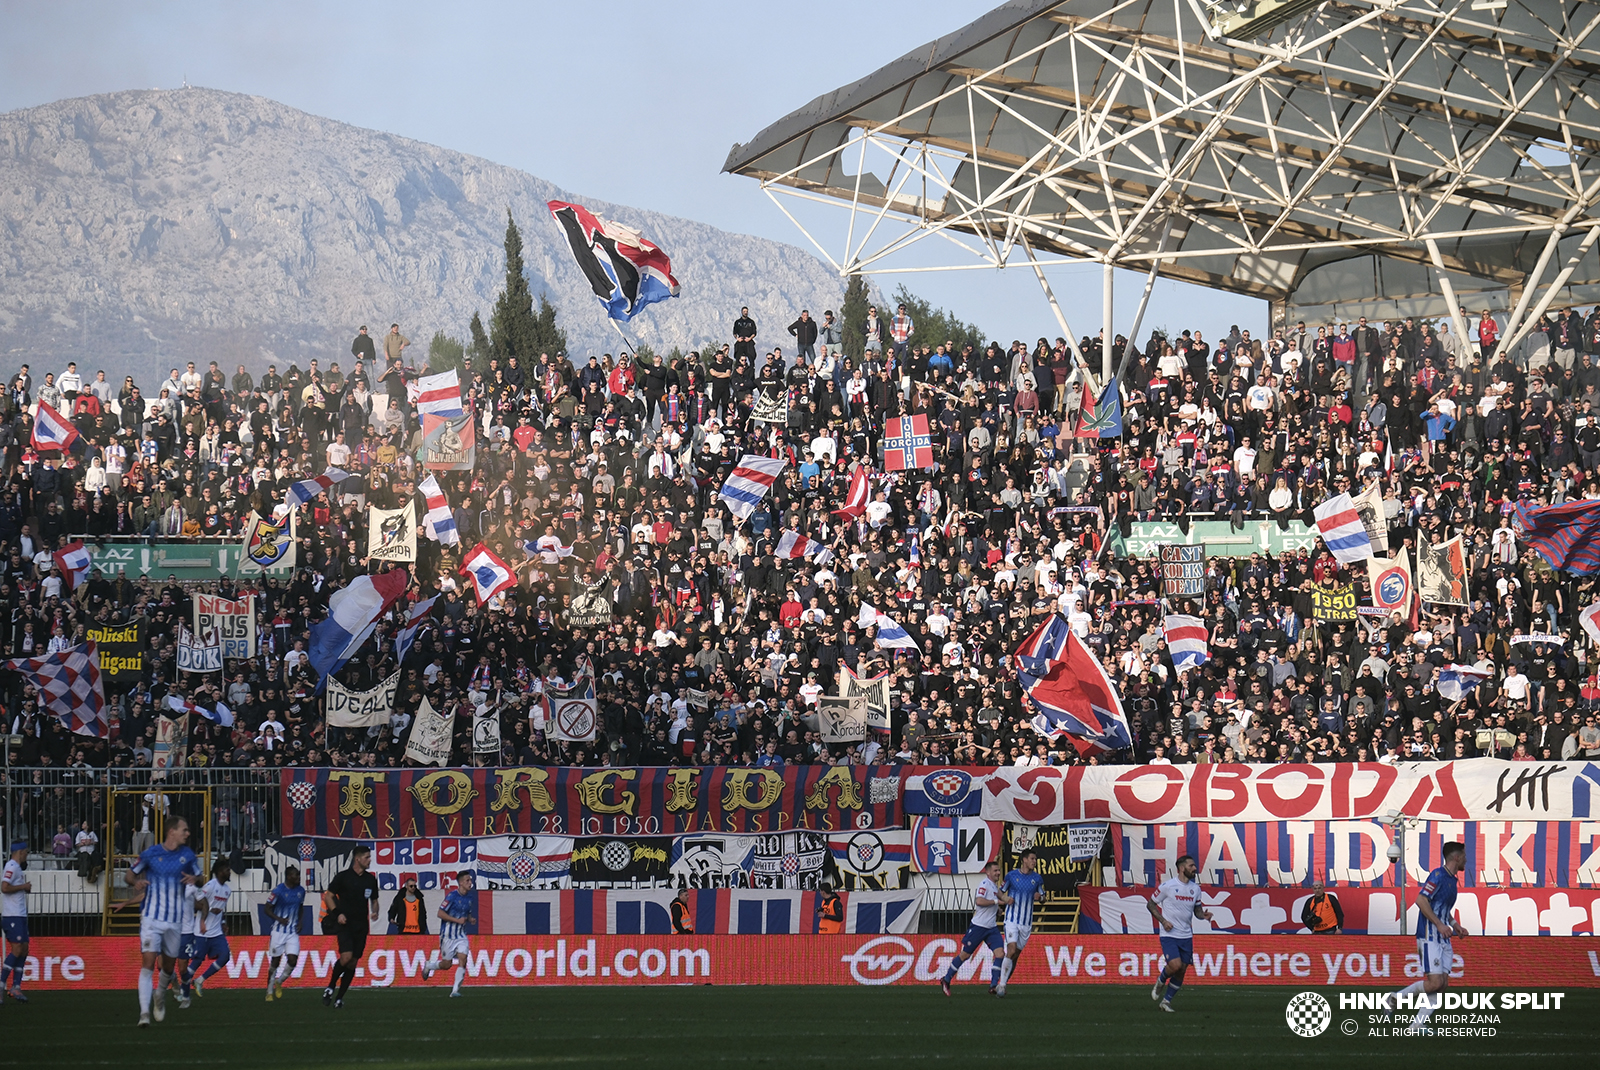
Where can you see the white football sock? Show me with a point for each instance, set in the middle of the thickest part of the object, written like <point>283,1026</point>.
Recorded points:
<point>1005,970</point>
<point>161,989</point>
<point>461,971</point>
<point>146,986</point>
<point>1411,989</point>
<point>1427,1009</point>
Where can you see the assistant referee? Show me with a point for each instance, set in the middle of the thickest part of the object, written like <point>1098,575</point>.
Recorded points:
<point>349,906</point>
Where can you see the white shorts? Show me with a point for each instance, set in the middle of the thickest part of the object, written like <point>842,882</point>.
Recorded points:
<point>160,937</point>
<point>449,949</point>
<point>1434,955</point>
<point>283,944</point>
<point>1018,934</point>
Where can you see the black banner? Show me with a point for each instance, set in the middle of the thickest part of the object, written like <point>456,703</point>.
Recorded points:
<point>121,649</point>
<point>1055,846</point>
<point>603,859</point>
<point>790,860</point>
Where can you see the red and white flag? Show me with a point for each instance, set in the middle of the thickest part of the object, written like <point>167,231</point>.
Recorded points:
<point>792,545</point>
<point>52,431</point>
<point>855,502</point>
<point>488,573</point>
<point>74,562</point>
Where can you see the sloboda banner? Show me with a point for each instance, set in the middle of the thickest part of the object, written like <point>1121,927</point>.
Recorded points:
<point>233,621</point>
<point>361,709</point>
<point>1477,789</point>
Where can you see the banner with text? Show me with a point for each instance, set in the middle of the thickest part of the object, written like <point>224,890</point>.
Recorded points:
<point>361,709</point>
<point>233,621</point>
<point>121,649</point>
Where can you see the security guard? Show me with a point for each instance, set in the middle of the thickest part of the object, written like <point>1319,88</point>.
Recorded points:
<point>408,913</point>
<point>830,912</point>
<point>682,920</point>
<point>1322,913</point>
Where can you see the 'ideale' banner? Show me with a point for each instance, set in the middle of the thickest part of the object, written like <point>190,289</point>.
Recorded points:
<point>112,962</point>
<point>563,801</point>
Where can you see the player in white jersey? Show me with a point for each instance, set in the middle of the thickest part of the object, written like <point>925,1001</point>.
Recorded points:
<point>14,889</point>
<point>1022,888</point>
<point>285,904</point>
<point>455,914</point>
<point>1174,907</point>
<point>211,942</point>
<point>987,899</point>
<point>159,878</point>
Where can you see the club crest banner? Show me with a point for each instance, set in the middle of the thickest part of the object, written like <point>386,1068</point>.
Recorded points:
<point>360,709</point>
<point>268,544</point>
<point>392,534</point>
<point>233,621</point>
<point>872,861</point>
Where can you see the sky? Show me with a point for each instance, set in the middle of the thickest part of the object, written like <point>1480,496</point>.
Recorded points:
<point>638,110</point>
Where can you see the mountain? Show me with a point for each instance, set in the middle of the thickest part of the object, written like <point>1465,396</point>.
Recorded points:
<point>139,230</point>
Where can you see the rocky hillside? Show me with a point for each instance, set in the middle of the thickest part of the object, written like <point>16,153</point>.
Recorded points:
<point>146,228</point>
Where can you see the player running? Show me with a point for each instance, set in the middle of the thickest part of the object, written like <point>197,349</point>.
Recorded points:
<point>1174,907</point>
<point>455,914</point>
<point>14,889</point>
<point>987,899</point>
<point>1435,903</point>
<point>1022,889</point>
<point>160,876</point>
<point>211,942</point>
<point>351,905</point>
<point>284,903</point>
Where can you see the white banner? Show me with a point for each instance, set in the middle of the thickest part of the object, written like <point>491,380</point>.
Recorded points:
<point>841,719</point>
<point>392,534</point>
<point>233,621</point>
<point>874,689</point>
<point>199,653</point>
<point>430,736</point>
<point>1476,789</point>
<point>486,729</point>
<point>572,715</point>
<point>361,709</point>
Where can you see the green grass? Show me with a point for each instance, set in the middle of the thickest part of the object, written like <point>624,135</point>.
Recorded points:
<point>1036,1026</point>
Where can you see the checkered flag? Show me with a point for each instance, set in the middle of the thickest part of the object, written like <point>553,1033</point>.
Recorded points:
<point>69,686</point>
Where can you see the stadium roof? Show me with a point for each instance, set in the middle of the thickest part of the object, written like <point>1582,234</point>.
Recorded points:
<point>1304,153</point>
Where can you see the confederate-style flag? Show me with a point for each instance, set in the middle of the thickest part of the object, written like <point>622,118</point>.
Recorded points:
<point>906,443</point>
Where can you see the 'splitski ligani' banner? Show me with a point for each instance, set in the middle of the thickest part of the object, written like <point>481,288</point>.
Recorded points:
<point>1478,789</point>
<point>1529,854</point>
<point>112,962</point>
<point>563,801</point>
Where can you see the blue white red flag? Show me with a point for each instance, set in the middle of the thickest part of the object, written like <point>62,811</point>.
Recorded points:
<point>1457,681</point>
<point>1343,531</point>
<point>749,482</point>
<point>408,634</point>
<point>890,633</point>
<point>907,443</point>
<point>69,687</point>
<point>74,562</point>
<point>438,521</point>
<point>53,431</point>
<point>1071,696</point>
<point>1187,639</point>
<point>1567,535</point>
<point>488,573</point>
<point>218,715</point>
<point>353,614</point>
<point>307,489</point>
<point>440,394</point>
<point>793,545</point>
<point>625,271</point>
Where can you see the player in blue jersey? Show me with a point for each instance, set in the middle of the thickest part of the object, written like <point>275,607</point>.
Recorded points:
<point>455,914</point>
<point>211,941</point>
<point>987,899</point>
<point>159,879</point>
<point>1436,924</point>
<point>1173,908</point>
<point>14,889</point>
<point>1022,889</point>
<point>284,904</point>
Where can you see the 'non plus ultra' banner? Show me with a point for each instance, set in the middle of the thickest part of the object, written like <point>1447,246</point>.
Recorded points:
<point>563,801</point>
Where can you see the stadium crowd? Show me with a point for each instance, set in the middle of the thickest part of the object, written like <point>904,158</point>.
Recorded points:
<point>715,648</point>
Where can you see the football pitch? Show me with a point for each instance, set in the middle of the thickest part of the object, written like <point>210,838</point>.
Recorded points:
<point>1035,1025</point>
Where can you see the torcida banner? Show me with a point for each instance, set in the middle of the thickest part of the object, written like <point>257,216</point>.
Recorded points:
<point>112,962</point>
<point>1479,789</point>
<point>564,801</point>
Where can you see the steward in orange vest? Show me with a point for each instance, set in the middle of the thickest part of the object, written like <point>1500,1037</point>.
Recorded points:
<point>1322,913</point>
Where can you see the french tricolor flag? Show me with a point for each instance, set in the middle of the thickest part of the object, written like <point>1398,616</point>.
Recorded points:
<point>353,614</point>
<point>488,573</point>
<point>1187,639</point>
<point>307,489</point>
<point>1342,530</point>
<point>749,482</point>
<point>408,634</point>
<point>74,562</point>
<point>440,395</point>
<point>53,431</point>
<point>437,520</point>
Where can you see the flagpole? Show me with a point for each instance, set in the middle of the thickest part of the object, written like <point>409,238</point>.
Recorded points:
<point>631,349</point>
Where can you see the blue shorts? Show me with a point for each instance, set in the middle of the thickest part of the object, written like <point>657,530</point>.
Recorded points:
<point>982,934</point>
<point>1181,949</point>
<point>210,947</point>
<point>15,929</point>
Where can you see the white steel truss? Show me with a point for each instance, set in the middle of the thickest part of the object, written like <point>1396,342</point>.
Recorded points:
<point>1448,138</point>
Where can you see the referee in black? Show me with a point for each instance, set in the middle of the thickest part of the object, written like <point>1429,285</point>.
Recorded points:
<point>349,907</point>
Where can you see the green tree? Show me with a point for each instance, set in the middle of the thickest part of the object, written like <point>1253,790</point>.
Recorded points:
<point>548,337</point>
<point>478,348</point>
<point>445,352</point>
<point>931,326</point>
<point>853,318</point>
<point>513,328</point>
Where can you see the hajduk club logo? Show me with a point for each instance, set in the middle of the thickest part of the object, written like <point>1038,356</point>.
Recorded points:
<point>948,787</point>
<point>1308,1015</point>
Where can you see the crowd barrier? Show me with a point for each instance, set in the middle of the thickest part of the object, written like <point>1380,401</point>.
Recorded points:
<point>1364,961</point>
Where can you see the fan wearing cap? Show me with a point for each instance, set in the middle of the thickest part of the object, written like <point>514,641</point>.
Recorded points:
<point>14,889</point>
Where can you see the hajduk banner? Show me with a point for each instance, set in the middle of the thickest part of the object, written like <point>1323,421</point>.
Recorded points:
<point>199,652</point>
<point>232,620</point>
<point>392,534</point>
<point>361,709</point>
<point>431,732</point>
<point>1474,789</point>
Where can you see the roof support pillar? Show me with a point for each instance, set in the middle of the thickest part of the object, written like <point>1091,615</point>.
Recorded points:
<point>1456,317</point>
<point>1107,336</point>
<point>1049,295</point>
<point>1512,338</point>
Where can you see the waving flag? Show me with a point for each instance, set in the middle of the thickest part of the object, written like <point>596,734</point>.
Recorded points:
<point>438,522</point>
<point>625,271</point>
<point>855,502</point>
<point>306,489</point>
<point>1102,419</point>
<point>268,542</point>
<point>890,633</point>
<point>1342,529</point>
<point>53,431</point>
<point>1457,681</point>
<point>408,634</point>
<point>489,574</point>
<point>69,687</point>
<point>1072,695</point>
<point>440,394</point>
<point>749,482</point>
<point>353,614</point>
<point>1567,536</point>
<point>906,443</point>
<point>1186,639</point>
<point>74,562</point>
<point>220,715</point>
<point>793,545</point>
<point>1588,618</point>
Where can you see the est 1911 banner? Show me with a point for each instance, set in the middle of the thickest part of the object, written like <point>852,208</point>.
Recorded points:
<point>564,801</point>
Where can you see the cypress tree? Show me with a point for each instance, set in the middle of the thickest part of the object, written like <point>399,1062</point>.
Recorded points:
<point>548,337</point>
<point>512,327</point>
<point>853,318</point>
<point>478,346</point>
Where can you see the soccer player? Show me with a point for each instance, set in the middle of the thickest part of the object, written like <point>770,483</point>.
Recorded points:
<point>211,942</point>
<point>160,875</point>
<point>1436,924</point>
<point>14,889</point>
<point>1023,888</point>
<point>351,903</point>
<point>987,899</point>
<point>1174,907</point>
<point>284,903</point>
<point>455,914</point>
